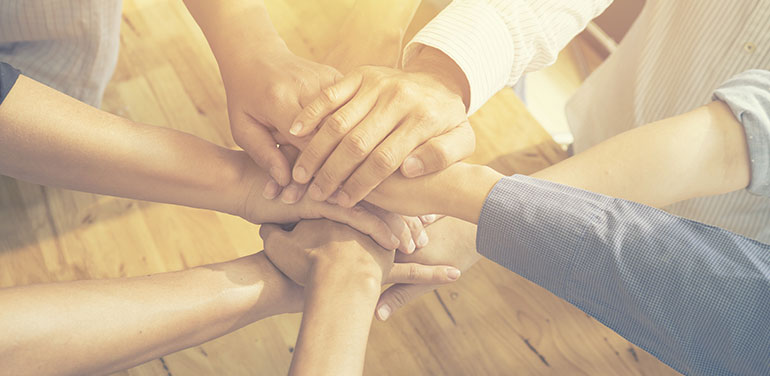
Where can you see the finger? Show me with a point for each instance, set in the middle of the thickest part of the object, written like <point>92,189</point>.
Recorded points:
<point>364,221</point>
<point>397,296</point>
<point>422,274</point>
<point>272,189</point>
<point>397,224</point>
<point>417,231</point>
<point>355,148</point>
<point>430,218</point>
<point>439,152</point>
<point>330,134</point>
<point>330,99</point>
<point>385,159</point>
<point>293,193</point>
<point>257,141</point>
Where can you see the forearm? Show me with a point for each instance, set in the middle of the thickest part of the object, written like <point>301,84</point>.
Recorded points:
<point>339,308</point>
<point>652,165</point>
<point>235,29</point>
<point>101,326</point>
<point>49,138</point>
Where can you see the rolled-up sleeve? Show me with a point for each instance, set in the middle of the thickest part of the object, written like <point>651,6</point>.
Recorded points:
<point>748,96</point>
<point>495,41</point>
<point>8,77</point>
<point>695,296</point>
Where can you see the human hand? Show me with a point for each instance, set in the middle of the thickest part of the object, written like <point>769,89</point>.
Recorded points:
<point>265,93</point>
<point>377,119</point>
<point>409,232</point>
<point>296,252</point>
<point>453,243</point>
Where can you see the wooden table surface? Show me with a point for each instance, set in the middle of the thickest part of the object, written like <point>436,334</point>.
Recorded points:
<point>491,322</point>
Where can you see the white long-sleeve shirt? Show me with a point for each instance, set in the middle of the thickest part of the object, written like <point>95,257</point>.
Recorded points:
<point>675,55</point>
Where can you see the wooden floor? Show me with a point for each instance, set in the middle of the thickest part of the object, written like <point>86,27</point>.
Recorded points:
<point>491,322</point>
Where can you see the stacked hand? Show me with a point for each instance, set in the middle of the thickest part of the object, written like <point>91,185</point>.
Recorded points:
<point>298,251</point>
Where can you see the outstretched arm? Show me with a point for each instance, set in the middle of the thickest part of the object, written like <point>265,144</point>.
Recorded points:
<point>102,326</point>
<point>49,138</point>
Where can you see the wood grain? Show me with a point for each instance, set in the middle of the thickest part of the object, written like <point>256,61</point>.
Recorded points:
<point>492,322</point>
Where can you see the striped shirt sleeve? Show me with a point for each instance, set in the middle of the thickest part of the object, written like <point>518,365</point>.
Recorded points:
<point>8,77</point>
<point>695,296</point>
<point>495,41</point>
<point>748,96</point>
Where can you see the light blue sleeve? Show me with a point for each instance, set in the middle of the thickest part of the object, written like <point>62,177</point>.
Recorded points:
<point>695,296</point>
<point>748,96</point>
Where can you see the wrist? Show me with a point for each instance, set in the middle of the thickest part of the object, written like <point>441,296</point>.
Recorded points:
<point>440,68</point>
<point>350,269</point>
<point>471,185</point>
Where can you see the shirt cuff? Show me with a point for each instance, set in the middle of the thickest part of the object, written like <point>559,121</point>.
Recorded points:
<point>541,240</point>
<point>748,96</point>
<point>472,33</point>
<point>8,77</point>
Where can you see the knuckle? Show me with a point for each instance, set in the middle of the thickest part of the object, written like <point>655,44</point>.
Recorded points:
<point>404,88</point>
<point>330,94</point>
<point>400,297</point>
<point>276,91</point>
<point>385,160</point>
<point>414,223</point>
<point>337,123</point>
<point>356,145</point>
<point>325,178</point>
<point>413,273</point>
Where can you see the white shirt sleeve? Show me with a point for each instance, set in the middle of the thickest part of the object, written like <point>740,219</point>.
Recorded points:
<point>494,42</point>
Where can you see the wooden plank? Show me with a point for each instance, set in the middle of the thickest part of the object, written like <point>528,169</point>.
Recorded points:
<point>492,322</point>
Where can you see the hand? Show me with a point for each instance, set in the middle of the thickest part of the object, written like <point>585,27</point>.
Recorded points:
<point>295,253</point>
<point>408,231</point>
<point>453,244</point>
<point>377,119</point>
<point>266,93</point>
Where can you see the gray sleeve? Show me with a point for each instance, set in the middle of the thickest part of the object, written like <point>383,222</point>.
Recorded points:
<point>748,96</point>
<point>695,296</point>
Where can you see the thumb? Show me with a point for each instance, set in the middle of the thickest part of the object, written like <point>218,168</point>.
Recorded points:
<point>268,232</point>
<point>441,151</point>
<point>422,274</point>
<point>397,296</point>
<point>261,146</point>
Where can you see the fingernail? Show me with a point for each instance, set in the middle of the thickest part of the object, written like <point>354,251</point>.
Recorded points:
<point>275,173</point>
<point>428,218</point>
<point>272,189</point>
<point>394,240</point>
<point>413,166</point>
<point>315,192</point>
<point>422,240</point>
<point>290,194</point>
<point>343,199</point>
<point>384,312</point>
<point>295,129</point>
<point>300,174</point>
<point>453,273</point>
<point>411,247</point>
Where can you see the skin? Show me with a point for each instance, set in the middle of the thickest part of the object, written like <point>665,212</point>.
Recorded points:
<point>70,328</point>
<point>336,264</point>
<point>634,165</point>
<point>49,138</point>
<point>377,119</point>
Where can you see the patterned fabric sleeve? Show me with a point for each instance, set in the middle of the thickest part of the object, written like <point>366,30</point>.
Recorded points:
<point>695,296</point>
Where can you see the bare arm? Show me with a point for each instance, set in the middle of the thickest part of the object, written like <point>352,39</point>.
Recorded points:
<point>649,165</point>
<point>49,138</point>
<point>102,326</point>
